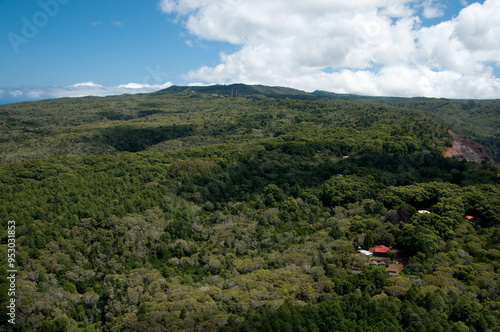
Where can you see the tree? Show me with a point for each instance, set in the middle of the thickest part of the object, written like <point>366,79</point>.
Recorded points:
<point>368,243</point>
<point>419,239</point>
<point>335,232</point>
<point>273,194</point>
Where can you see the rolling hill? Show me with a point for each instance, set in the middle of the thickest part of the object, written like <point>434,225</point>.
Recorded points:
<point>240,90</point>
<point>183,210</point>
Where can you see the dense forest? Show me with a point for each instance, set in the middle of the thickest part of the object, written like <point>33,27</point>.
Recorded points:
<point>190,210</point>
<point>477,120</point>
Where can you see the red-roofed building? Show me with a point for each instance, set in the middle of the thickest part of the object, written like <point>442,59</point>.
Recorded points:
<point>382,250</point>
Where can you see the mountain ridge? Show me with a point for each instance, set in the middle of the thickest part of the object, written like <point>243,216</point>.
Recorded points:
<point>242,89</point>
<point>470,119</point>
<point>464,117</point>
<point>237,89</point>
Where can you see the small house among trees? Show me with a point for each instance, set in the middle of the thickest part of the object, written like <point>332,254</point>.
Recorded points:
<point>365,252</point>
<point>382,251</point>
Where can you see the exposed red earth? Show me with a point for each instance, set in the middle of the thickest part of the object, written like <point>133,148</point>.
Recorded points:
<point>467,149</point>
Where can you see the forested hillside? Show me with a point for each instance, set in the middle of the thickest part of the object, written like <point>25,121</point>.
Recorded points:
<point>193,212</point>
<point>477,120</point>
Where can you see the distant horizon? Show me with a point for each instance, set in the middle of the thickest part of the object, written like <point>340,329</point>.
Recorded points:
<point>394,48</point>
<point>14,100</point>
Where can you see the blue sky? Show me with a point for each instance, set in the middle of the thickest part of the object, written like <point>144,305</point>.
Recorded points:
<point>58,48</point>
<point>107,42</point>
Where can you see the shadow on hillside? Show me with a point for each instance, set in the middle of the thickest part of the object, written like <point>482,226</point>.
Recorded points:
<point>115,115</point>
<point>143,114</point>
<point>133,139</point>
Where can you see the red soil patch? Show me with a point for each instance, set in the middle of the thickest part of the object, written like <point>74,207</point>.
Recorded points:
<point>467,149</point>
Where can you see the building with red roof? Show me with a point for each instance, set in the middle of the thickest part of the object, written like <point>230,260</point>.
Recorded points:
<point>382,250</point>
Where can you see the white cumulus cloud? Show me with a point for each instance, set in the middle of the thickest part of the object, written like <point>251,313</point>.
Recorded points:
<point>367,46</point>
<point>86,84</point>
<point>432,9</point>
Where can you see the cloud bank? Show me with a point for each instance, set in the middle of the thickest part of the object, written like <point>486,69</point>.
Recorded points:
<point>77,90</point>
<point>370,47</point>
